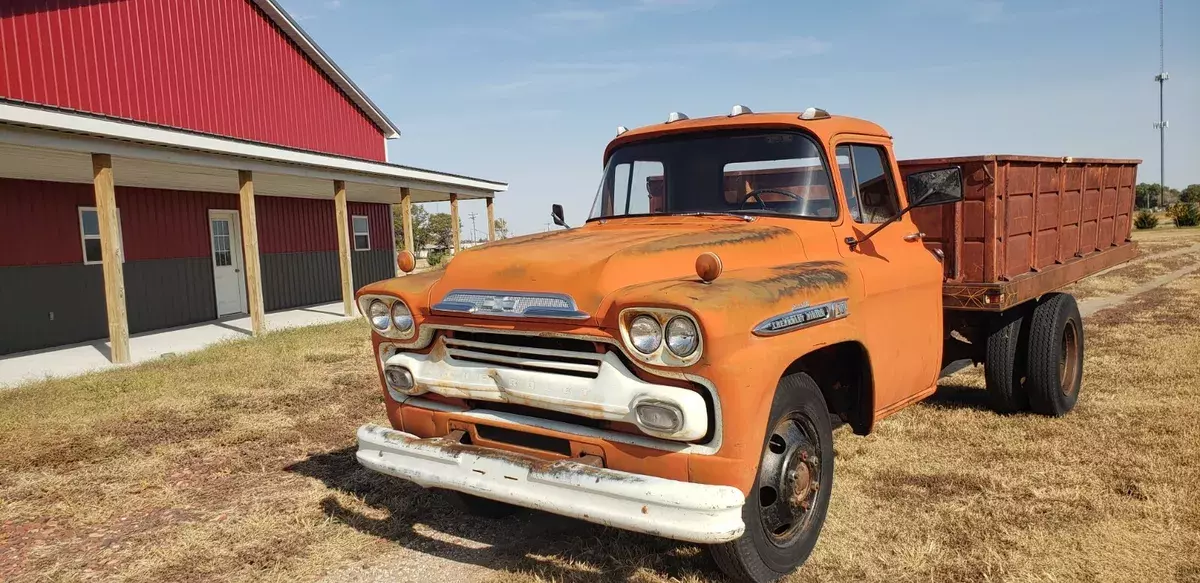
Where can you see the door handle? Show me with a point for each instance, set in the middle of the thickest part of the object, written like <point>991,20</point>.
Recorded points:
<point>237,271</point>
<point>918,236</point>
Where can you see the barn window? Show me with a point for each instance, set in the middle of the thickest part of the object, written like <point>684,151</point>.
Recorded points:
<point>89,230</point>
<point>362,233</point>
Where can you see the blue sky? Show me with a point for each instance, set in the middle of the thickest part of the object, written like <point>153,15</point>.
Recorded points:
<point>530,92</point>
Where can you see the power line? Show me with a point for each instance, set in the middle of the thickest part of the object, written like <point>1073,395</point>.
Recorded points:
<point>472,216</point>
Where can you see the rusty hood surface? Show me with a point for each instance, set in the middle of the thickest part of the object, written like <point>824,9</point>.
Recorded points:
<point>590,262</point>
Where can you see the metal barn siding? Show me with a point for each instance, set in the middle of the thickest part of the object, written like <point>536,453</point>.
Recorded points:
<point>293,225</point>
<point>39,221</point>
<point>166,224</point>
<point>213,66</point>
<point>379,218</point>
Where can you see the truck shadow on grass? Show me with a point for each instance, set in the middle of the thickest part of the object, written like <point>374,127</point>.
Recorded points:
<point>953,396</point>
<point>530,542</point>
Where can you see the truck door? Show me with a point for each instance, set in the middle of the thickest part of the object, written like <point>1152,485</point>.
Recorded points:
<point>902,280</point>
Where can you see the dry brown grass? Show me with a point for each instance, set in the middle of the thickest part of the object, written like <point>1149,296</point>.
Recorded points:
<point>236,463</point>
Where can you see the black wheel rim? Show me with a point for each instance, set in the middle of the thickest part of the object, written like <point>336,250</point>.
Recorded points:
<point>789,479</point>
<point>1068,361</point>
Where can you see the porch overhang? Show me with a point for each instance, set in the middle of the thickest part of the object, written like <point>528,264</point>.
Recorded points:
<point>40,143</point>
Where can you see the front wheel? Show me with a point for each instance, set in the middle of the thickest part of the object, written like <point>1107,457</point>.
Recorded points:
<point>786,508</point>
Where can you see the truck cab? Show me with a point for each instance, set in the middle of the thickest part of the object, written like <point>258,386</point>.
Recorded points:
<point>675,365</point>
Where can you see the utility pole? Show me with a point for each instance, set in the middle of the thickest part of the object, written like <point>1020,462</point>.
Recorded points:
<point>472,216</point>
<point>547,227</point>
<point>1161,78</point>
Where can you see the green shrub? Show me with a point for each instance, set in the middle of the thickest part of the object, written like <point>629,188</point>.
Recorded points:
<point>1145,219</point>
<point>1184,214</point>
<point>436,257</point>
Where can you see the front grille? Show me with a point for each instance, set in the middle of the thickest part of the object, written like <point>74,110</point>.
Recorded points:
<point>564,356</point>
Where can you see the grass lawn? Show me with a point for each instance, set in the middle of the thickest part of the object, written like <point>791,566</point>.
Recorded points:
<point>236,463</point>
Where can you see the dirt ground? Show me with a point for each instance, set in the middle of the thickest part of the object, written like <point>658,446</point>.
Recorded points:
<point>236,464</point>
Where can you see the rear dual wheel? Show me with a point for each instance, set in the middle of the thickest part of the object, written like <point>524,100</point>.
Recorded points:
<point>1034,357</point>
<point>786,509</point>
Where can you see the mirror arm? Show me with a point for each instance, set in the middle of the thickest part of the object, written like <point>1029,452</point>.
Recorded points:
<point>852,242</point>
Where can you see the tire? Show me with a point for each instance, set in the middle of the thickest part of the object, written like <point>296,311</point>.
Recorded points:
<point>476,506</point>
<point>1055,356</point>
<point>1004,363</point>
<point>797,448</point>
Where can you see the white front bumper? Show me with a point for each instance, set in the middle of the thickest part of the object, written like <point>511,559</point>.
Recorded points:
<point>684,511</point>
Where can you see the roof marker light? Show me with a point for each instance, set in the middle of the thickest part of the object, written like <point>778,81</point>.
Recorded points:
<point>739,110</point>
<point>676,116</point>
<point>814,113</point>
<point>621,130</point>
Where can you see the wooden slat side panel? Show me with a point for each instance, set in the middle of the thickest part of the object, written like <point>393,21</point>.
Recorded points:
<point>1071,212</point>
<point>1089,228</point>
<point>1021,182</point>
<point>1049,221</point>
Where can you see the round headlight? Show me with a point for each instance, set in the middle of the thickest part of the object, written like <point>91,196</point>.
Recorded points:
<point>682,336</point>
<point>377,312</point>
<point>645,334</point>
<point>401,317</point>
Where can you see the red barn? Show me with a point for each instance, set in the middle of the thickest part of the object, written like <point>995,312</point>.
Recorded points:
<point>166,163</point>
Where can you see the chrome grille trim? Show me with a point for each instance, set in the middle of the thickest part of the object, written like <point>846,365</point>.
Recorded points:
<point>510,304</point>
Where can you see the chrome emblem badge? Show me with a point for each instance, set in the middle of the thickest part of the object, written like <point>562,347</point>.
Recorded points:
<point>803,316</point>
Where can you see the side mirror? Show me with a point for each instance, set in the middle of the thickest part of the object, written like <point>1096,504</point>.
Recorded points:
<point>934,187</point>
<point>556,213</point>
<point>928,188</point>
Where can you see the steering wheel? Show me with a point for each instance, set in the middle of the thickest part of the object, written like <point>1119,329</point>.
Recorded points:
<point>754,193</point>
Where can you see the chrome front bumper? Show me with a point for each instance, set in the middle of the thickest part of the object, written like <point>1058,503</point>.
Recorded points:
<point>684,511</point>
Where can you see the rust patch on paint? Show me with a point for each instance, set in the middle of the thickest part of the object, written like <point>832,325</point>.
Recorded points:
<point>714,238</point>
<point>775,283</point>
<point>788,280</point>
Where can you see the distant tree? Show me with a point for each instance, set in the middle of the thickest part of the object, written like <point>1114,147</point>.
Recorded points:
<point>422,234</point>
<point>501,229</point>
<point>441,229</point>
<point>1190,194</point>
<point>1147,195</point>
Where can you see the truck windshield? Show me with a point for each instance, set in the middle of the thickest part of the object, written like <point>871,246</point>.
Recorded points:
<point>777,173</point>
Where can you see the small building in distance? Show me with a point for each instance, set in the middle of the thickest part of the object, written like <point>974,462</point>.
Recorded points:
<point>168,163</point>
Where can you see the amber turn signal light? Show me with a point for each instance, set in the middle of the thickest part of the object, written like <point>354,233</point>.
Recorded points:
<point>708,266</point>
<point>406,261</point>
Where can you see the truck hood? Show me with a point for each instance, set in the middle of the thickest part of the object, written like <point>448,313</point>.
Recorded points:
<point>590,262</point>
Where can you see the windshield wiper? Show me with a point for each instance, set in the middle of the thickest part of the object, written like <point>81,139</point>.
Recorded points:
<point>715,214</point>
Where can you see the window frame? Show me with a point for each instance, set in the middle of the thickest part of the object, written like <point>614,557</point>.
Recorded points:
<point>354,234</point>
<point>84,237</point>
<point>822,153</point>
<point>888,173</point>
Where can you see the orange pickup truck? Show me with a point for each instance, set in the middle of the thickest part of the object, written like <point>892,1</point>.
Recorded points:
<point>676,365</point>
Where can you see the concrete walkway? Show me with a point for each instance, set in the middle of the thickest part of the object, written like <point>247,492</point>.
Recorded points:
<point>77,359</point>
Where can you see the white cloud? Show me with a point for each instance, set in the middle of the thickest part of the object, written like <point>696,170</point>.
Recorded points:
<point>564,77</point>
<point>334,4</point>
<point>576,15</point>
<point>800,46</point>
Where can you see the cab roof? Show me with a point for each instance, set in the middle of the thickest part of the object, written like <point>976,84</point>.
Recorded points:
<point>823,128</point>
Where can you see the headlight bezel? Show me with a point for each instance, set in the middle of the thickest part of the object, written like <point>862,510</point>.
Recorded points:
<point>662,355</point>
<point>392,331</point>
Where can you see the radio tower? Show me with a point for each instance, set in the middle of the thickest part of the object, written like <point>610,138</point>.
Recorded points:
<point>1161,125</point>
